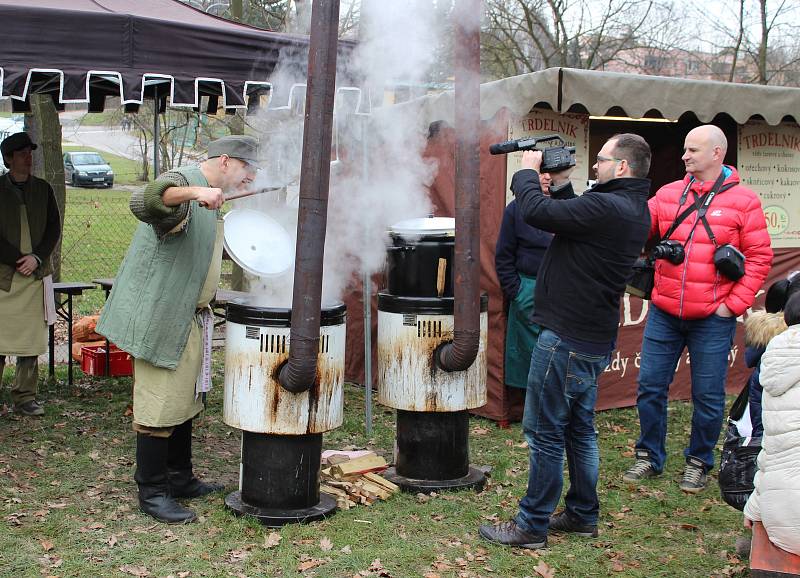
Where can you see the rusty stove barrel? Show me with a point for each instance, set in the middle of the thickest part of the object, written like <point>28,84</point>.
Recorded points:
<point>281,431</point>
<point>415,319</point>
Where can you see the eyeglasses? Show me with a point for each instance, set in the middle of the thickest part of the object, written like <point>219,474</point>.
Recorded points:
<point>601,158</point>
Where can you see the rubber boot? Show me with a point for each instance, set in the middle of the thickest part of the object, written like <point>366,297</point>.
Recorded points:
<point>182,481</point>
<point>151,476</point>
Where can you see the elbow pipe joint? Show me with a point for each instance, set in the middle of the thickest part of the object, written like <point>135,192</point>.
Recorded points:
<point>297,377</point>
<point>459,354</point>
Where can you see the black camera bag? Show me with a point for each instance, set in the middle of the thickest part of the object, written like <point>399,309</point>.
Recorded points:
<point>738,465</point>
<point>643,280</point>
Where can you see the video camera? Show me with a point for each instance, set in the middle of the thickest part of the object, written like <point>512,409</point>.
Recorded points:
<point>554,158</point>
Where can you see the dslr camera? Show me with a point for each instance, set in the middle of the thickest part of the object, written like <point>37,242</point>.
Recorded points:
<point>670,250</point>
<point>554,158</point>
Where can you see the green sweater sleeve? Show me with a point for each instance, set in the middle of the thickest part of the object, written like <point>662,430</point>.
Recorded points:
<point>148,205</point>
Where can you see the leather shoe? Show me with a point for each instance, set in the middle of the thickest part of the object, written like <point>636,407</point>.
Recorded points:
<point>30,407</point>
<point>509,534</point>
<point>193,488</point>
<point>157,502</point>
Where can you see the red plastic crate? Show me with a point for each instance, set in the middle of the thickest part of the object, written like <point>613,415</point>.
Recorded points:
<point>93,361</point>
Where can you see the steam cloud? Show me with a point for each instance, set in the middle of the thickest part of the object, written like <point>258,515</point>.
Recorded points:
<point>378,175</point>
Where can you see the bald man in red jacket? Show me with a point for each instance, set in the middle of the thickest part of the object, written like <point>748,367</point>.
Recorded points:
<point>694,303</point>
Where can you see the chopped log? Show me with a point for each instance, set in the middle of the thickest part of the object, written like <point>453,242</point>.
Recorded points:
<point>383,482</point>
<point>373,489</point>
<point>370,463</point>
<point>333,491</point>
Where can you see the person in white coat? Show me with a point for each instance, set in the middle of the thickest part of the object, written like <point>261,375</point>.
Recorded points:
<point>775,501</point>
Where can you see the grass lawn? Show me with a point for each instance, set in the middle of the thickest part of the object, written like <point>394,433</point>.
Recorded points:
<point>69,506</point>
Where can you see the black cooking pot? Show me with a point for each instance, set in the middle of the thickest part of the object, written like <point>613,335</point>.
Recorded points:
<point>413,265</point>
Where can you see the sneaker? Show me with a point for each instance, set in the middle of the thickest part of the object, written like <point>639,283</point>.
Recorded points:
<point>563,522</point>
<point>509,534</point>
<point>641,469</point>
<point>694,476</point>
<point>30,407</point>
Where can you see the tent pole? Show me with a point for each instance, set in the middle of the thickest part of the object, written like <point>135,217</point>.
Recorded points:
<point>156,137</point>
<point>367,298</point>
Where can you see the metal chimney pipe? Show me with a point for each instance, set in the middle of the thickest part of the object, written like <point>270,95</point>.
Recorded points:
<point>300,372</point>
<point>461,353</point>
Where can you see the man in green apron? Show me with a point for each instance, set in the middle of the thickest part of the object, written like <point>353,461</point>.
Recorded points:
<point>158,312</point>
<point>29,230</point>
<point>519,251</point>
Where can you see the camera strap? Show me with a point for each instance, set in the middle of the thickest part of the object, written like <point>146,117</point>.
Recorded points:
<point>706,201</point>
<point>700,205</point>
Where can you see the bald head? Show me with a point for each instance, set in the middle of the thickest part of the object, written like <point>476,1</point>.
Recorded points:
<point>711,134</point>
<point>704,152</point>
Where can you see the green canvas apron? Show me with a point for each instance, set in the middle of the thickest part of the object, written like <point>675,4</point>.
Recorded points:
<point>24,330</point>
<point>165,397</point>
<point>521,334</point>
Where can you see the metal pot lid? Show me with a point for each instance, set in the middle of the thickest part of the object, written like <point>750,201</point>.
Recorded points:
<point>442,226</point>
<point>258,243</point>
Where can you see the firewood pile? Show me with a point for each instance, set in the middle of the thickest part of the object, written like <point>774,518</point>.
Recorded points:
<point>353,478</point>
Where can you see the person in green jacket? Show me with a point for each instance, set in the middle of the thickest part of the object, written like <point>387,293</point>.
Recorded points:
<point>30,227</point>
<point>158,311</point>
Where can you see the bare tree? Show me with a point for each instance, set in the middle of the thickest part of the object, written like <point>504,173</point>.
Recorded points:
<point>522,35</point>
<point>44,127</point>
<point>755,41</point>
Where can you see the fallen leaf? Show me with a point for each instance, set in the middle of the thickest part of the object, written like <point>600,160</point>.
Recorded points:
<point>325,544</point>
<point>690,527</point>
<point>543,570</point>
<point>112,541</point>
<point>618,567</point>
<point>272,540</point>
<point>309,564</point>
<point>134,570</point>
<point>346,550</point>
<point>47,545</point>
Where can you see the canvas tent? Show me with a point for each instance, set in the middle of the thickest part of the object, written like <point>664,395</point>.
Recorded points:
<point>81,51</point>
<point>599,102</point>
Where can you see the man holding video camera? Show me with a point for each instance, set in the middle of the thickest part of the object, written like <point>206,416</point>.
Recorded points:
<point>712,253</point>
<point>597,238</point>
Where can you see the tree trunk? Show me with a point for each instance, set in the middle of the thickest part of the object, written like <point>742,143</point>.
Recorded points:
<point>236,10</point>
<point>762,47</point>
<point>44,127</point>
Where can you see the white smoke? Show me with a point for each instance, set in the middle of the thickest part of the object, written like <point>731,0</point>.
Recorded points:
<point>368,193</point>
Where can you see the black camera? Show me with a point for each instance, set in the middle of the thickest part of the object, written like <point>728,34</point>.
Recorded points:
<point>554,158</point>
<point>670,250</point>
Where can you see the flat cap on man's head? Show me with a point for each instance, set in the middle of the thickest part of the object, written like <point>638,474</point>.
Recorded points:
<point>236,146</point>
<point>16,142</point>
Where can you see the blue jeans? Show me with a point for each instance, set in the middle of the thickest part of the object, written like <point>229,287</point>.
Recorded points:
<point>559,415</point>
<point>709,342</point>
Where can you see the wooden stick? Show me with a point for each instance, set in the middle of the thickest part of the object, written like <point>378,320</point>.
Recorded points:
<point>440,277</point>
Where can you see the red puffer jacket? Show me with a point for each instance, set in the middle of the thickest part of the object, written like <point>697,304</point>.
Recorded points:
<point>695,289</point>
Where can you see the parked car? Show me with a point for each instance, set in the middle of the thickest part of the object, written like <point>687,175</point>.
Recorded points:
<point>87,169</point>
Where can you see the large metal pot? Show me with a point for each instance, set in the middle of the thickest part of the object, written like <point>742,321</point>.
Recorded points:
<point>420,259</point>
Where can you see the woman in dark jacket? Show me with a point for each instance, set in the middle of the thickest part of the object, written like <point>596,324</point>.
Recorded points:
<point>518,254</point>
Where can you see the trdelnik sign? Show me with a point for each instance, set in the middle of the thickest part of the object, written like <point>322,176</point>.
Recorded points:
<point>769,163</point>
